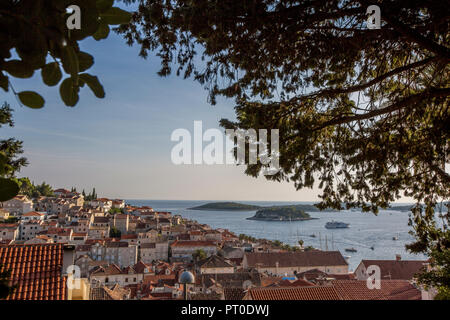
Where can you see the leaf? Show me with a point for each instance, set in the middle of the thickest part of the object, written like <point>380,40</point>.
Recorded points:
<point>51,74</point>
<point>116,16</point>
<point>70,62</point>
<point>104,5</point>
<point>8,189</point>
<point>31,99</point>
<point>94,84</point>
<point>19,69</point>
<point>102,32</point>
<point>69,92</point>
<point>4,82</point>
<point>85,61</point>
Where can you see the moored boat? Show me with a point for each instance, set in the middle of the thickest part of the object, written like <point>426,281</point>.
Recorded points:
<point>336,225</point>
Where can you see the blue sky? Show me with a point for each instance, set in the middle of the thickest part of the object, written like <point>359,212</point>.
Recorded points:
<point>121,144</point>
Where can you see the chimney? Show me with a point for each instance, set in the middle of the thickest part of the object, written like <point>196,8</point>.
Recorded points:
<point>68,257</point>
<point>398,257</point>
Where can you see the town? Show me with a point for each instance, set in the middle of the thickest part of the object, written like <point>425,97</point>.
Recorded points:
<point>116,251</point>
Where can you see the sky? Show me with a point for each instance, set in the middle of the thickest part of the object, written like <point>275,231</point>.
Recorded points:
<point>121,144</point>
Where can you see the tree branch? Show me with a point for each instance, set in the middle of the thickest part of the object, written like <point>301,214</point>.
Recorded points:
<point>373,81</point>
<point>411,100</point>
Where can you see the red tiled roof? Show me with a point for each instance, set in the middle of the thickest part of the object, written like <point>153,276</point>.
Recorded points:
<point>188,243</point>
<point>36,270</point>
<point>340,290</point>
<point>129,236</point>
<point>233,293</point>
<point>9,225</point>
<point>296,259</point>
<point>397,269</point>
<point>389,290</point>
<point>33,214</point>
<point>296,293</point>
<point>112,269</point>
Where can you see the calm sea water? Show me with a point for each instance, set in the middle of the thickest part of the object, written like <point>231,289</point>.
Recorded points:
<point>366,229</point>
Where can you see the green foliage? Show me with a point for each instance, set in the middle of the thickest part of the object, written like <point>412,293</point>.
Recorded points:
<point>37,31</point>
<point>8,189</point>
<point>5,288</point>
<point>44,190</point>
<point>434,241</point>
<point>114,233</point>
<point>116,210</point>
<point>199,254</point>
<point>363,114</point>
<point>28,188</point>
<point>282,212</point>
<point>10,220</point>
<point>10,163</point>
<point>91,196</point>
<point>226,206</point>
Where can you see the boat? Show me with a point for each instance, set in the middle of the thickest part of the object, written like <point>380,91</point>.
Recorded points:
<point>372,248</point>
<point>336,225</point>
<point>394,238</point>
<point>312,235</point>
<point>351,250</point>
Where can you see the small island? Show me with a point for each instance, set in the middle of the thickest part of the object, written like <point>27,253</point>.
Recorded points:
<point>226,206</point>
<point>286,213</point>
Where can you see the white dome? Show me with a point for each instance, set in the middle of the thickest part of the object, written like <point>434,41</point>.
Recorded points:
<point>187,277</point>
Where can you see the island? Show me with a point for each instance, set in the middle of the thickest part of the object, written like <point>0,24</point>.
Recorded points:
<point>226,206</point>
<point>235,206</point>
<point>281,213</point>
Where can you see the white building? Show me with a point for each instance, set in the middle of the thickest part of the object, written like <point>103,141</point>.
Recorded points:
<point>18,205</point>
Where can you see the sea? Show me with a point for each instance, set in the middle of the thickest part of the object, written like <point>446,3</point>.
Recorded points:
<point>366,230</point>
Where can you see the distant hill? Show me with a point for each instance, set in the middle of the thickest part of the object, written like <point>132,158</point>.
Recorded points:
<point>281,213</point>
<point>235,206</point>
<point>226,206</point>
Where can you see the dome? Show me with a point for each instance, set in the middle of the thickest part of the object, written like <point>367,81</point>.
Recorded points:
<point>187,277</point>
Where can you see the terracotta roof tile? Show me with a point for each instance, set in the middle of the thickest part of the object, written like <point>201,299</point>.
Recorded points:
<point>389,290</point>
<point>296,293</point>
<point>36,270</point>
<point>295,259</point>
<point>397,269</point>
<point>189,243</point>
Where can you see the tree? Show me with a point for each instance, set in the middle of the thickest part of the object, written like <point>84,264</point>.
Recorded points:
<point>362,113</point>
<point>115,233</point>
<point>44,190</point>
<point>5,288</point>
<point>38,32</point>
<point>10,160</point>
<point>26,187</point>
<point>115,211</point>
<point>199,254</point>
